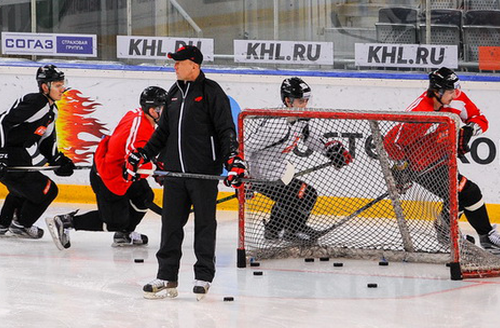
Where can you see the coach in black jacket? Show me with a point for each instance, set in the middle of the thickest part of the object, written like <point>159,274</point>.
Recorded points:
<point>196,134</point>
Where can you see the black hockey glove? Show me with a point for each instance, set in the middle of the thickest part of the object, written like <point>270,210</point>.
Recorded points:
<point>134,160</point>
<point>463,139</point>
<point>236,171</point>
<point>4,158</point>
<point>337,154</point>
<point>66,165</point>
<point>402,176</point>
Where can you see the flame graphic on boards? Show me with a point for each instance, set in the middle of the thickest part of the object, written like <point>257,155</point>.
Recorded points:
<point>78,133</point>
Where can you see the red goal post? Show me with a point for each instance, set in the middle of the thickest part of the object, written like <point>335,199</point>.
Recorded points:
<point>361,210</point>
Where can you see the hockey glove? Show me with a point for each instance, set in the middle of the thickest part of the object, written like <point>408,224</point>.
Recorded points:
<point>4,157</point>
<point>337,154</point>
<point>236,171</point>
<point>401,173</point>
<point>463,139</point>
<point>66,165</point>
<point>134,160</point>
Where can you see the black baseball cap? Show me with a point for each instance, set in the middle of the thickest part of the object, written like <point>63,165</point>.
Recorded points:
<point>187,52</point>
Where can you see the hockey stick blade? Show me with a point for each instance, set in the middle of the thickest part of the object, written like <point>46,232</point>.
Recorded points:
<point>285,178</point>
<point>42,168</point>
<point>360,210</point>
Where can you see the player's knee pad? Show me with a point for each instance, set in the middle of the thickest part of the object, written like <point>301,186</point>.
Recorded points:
<point>470,197</point>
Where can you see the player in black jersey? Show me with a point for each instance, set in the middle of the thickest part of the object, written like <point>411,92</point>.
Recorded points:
<point>28,138</point>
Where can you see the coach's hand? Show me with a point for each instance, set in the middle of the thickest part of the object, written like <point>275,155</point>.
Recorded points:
<point>236,171</point>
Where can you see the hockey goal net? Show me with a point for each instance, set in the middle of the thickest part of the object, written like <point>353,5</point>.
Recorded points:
<point>378,206</point>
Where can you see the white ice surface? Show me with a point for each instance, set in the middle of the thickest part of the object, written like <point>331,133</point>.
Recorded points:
<point>94,285</point>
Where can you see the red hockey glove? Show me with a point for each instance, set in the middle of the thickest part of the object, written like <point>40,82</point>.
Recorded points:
<point>337,154</point>
<point>463,139</point>
<point>134,160</point>
<point>236,171</point>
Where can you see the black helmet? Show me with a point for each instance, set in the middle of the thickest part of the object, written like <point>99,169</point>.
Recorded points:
<point>152,97</point>
<point>49,73</point>
<point>443,79</point>
<point>294,88</point>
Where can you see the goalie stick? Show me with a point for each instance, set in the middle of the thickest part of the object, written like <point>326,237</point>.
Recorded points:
<point>285,178</point>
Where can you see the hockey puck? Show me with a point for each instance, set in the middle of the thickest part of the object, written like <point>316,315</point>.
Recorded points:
<point>309,259</point>
<point>255,264</point>
<point>258,273</point>
<point>383,263</point>
<point>324,259</point>
<point>338,264</point>
<point>372,285</point>
<point>228,299</point>
<point>139,260</point>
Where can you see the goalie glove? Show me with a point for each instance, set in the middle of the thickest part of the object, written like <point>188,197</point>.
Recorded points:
<point>401,173</point>
<point>66,165</point>
<point>236,171</point>
<point>464,137</point>
<point>337,154</point>
<point>134,160</point>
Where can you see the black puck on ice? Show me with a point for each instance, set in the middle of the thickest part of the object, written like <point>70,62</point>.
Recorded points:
<point>309,259</point>
<point>372,285</point>
<point>338,264</point>
<point>324,259</point>
<point>254,264</point>
<point>139,260</point>
<point>383,263</point>
<point>258,273</point>
<point>228,299</point>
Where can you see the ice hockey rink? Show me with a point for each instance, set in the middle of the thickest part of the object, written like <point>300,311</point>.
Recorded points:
<point>95,285</point>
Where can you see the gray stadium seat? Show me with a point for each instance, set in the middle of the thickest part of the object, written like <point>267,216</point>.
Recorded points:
<point>397,25</point>
<point>481,28</point>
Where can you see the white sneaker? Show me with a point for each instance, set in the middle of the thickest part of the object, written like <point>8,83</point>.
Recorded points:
<point>153,288</point>
<point>200,289</point>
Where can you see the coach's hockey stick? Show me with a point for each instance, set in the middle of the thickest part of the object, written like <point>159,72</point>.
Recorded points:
<point>42,168</point>
<point>298,174</point>
<point>360,210</point>
<point>284,179</point>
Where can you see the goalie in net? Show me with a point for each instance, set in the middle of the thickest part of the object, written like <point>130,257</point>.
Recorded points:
<point>267,149</point>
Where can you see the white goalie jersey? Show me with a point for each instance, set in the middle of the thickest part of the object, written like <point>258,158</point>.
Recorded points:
<point>269,143</point>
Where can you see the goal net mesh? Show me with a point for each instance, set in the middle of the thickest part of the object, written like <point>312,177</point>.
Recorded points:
<point>396,200</point>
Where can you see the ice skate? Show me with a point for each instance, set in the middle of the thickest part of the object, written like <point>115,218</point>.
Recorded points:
<point>124,239</point>
<point>153,289</point>
<point>59,227</point>
<point>3,230</point>
<point>491,241</point>
<point>21,231</point>
<point>200,289</point>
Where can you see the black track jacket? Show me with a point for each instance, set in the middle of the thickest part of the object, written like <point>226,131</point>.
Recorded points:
<point>195,133</point>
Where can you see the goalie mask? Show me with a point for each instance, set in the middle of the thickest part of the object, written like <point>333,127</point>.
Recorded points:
<point>294,88</point>
<point>153,97</point>
<point>441,80</point>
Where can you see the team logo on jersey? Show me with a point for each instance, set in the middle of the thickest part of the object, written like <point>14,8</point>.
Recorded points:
<point>198,99</point>
<point>292,146</point>
<point>41,130</point>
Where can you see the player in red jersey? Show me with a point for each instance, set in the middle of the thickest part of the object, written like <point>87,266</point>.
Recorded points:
<point>417,147</point>
<point>122,201</point>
